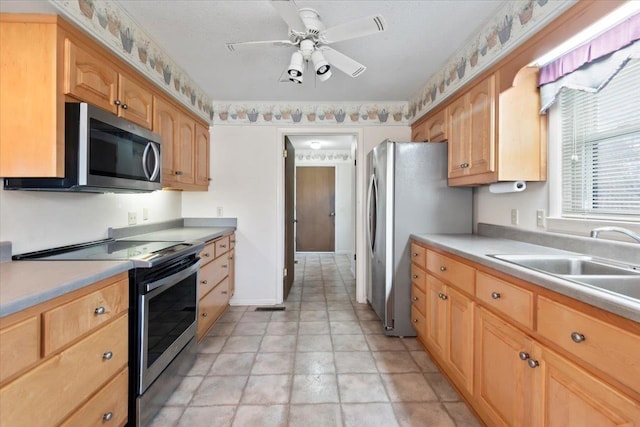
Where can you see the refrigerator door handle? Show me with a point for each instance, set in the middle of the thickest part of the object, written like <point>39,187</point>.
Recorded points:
<point>371,193</point>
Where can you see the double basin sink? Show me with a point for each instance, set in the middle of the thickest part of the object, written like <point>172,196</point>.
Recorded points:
<point>603,274</point>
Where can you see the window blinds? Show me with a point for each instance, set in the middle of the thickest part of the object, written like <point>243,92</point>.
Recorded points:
<point>601,148</point>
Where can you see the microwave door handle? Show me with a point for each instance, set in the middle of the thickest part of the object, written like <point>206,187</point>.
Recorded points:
<point>145,155</point>
<point>156,163</point>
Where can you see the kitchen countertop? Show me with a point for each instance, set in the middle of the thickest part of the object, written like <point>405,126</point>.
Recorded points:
<point>476,248</point>
<point>27,283</point>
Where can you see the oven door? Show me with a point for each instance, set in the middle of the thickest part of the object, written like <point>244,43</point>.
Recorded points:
<point>167,313</point>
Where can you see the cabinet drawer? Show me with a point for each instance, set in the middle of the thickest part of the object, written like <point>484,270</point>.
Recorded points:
<point>108,407</point>
<point>211,306</point>
<point>64,324</point>
<point>47,394</point>
<point>511,300</point>
<point>208,253</point>
<point>419,277</point>
<point>419,255</point>
<point>212,273</point>
<point>456,273</point>
<point>19,347</point>
<point>418,299</point>
<point>605,346</point>
<point>417,319</point>
<point>222,246</point>
<point>232,241</point>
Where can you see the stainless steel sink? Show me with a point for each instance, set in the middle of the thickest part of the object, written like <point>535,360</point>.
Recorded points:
<point>602,274</point>
<point>569,265</point>
<point>625,285</point>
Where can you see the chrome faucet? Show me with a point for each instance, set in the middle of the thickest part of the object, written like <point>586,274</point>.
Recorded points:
<point>596,231</point>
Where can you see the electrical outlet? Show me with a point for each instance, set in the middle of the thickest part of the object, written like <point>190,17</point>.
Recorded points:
<point>219,210</point>
<point>145,214</point>
<point>540,218</point>
<point>133,218</point>
<point>514,217</point>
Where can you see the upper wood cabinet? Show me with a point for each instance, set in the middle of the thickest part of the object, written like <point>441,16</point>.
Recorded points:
<point>91,78</point>
<point>46,62</point>
<point>495,132</point>
<point>185,147</point>
<point>433,129</point>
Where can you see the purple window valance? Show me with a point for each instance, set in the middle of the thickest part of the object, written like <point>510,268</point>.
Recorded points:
<point>623,34</point>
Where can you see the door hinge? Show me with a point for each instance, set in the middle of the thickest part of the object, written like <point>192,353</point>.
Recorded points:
<point>284,153</point>
<point>284,272</point>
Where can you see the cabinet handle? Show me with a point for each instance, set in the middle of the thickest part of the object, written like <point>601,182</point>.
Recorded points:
<point>231,258</point>
<point>533,363</point>
<point>100,310</point>
<point>495,295</point>
<point>464,165</point>
<point>415,276</point>
<point>204,314</point>
<point>415,254</point>
<point>108,355</point>
<point>443,268</point>
<point>577,337</point>
<point>117,102</point>
<point>206,254</point>
<point>178,172</point>
<point>414,298</point>
<point>125,106</point>
<point>442,296</point>
<point>107,416</point>
<point>523,355</point>
<point>233,241</point>
<point>204,282</point>
<point>223,246</point>
<point>224,292</point>
<point>225,266</point>
<point>415,320</point>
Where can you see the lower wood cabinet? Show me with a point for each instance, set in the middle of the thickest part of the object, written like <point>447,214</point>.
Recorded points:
<point>521,355</point>
<point>79,379</point>
<point>215,285</point>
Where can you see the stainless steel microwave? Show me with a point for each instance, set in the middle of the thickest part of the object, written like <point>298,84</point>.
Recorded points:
<point>103,154</point>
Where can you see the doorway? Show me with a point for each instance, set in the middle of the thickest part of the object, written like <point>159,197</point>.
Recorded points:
<point>335,158</point>
<point>315,208</point>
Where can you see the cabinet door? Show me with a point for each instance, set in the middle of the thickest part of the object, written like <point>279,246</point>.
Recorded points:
<point>458,138</point>
<point>165,124</point>
<point>482,127</point>
<point>436,127</point>
<point>503,383</point>
<point>135,102</point>
<point>570,396</point>
<point>435,316</point>
<point>202,155</point>
<point>419,133</point>
<point>184,150</point>
<point>459,353</point>
<point>90,78</point>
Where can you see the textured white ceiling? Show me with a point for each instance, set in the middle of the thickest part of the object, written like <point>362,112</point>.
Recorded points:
<point>421,36</point>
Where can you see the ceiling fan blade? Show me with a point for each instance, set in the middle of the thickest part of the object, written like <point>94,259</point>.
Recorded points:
<point>288,11</point>
<point>233,47</point>
<point>342,62</point>
<point>353,29</point>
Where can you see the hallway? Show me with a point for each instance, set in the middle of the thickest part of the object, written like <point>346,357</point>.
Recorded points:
<point>321,362</point>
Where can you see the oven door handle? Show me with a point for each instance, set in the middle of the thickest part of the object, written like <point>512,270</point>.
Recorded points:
<point>174,278</point>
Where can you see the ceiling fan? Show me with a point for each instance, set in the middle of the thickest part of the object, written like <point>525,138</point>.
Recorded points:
<point>309,36</point>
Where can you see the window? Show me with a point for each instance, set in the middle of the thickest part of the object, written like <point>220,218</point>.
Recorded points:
<point>601,149</point>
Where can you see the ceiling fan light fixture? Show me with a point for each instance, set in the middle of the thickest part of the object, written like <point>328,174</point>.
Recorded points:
<point>324,77</point>
<point>320,63</point>
<point>296,79</point>
<point>315,145</point>
<point>295,66</point>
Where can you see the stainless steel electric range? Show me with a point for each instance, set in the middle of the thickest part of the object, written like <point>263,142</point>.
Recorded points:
<point>162,313</point>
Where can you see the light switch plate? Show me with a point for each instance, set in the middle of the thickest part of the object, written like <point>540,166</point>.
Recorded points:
<point>540,218</point>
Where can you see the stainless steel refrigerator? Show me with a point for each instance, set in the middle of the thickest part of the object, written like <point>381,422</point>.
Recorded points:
<point>407,194</point>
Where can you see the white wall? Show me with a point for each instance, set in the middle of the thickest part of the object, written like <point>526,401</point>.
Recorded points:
<point>34,220</point>
<point>247,183</point>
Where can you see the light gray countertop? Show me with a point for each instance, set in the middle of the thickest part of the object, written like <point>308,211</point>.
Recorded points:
<point>476,248</point>
<point>26,283</point>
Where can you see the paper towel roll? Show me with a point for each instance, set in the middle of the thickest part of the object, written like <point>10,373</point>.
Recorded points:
<point>507,187</point>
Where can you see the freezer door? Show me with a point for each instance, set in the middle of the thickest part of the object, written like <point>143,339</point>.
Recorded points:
<point>382,234</point>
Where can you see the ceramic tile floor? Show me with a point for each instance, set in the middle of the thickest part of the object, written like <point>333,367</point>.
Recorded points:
<point>321,362</point>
